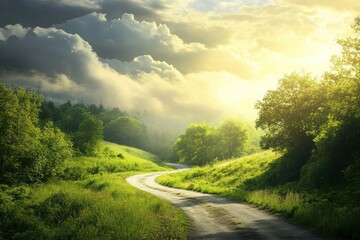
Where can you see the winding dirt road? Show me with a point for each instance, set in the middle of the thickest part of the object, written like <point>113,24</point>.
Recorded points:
<point>213,217</point>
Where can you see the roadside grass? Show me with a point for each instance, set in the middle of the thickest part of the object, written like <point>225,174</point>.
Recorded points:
<point>331,214</point>
<point>97,205</point>
<point>114,159</point>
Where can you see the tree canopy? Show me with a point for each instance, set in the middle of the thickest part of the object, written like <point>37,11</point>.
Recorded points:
<point>320,118</point>
<point>27,151</point>
<point>203,143</point>
<point>288,115</point>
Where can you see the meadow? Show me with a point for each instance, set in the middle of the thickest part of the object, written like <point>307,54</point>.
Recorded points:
<point>91,200</point>
<point>334,214</point>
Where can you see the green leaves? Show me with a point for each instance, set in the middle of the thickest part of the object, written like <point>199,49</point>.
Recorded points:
<point>125,130</point>
<point>202,143</point>
<point>288,114</point>
<point>321,118</point>
<point>28,153</point>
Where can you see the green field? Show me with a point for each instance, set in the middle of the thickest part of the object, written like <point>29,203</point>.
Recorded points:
<point>91,200</point>
<point>334,214</point>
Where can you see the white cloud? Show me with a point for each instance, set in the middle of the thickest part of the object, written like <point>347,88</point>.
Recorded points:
<point>145,64</point>
<point>12,30</point>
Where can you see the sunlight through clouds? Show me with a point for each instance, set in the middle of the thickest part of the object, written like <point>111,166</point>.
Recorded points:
<point>190,59</point>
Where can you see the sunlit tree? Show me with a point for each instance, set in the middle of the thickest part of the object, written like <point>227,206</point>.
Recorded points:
<point>196,146</point>
<point>289,114</point>
<point>337,157</point>
<point>27,152</point>
<point>230,139</point>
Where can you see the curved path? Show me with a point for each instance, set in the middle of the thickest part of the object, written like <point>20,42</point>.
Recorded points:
<point>213,217</point>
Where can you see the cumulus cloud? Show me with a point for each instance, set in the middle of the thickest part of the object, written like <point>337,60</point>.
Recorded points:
<point>61,64</point>
<point>145,64</point>
<point>46,13</point>
<point>56,61</point>
<point>171,58</point>
<point>126,38</point>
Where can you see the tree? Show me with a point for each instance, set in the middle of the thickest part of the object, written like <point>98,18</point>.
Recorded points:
<point>125,130</point>
<point>90,133</point>
<point>48,112</point>
<point>291,114</point>
<point>28,154</point>
<point>71,117</point>
<point>337,155</point>
<point>231,139</point>
<point>19,134</point>
<point>55,148</point>
<point>196,146</point>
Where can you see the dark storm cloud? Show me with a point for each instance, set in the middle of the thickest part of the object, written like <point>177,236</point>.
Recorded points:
<point>32,13</point>
<point>45,13</point>
<point>49,51</point>
<point>116,8</point>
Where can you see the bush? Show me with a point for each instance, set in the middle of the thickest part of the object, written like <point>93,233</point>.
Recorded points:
<point>59,208</point>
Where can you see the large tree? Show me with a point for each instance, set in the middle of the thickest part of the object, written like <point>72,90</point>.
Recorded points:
<point>290,114</point>
<point>337,156</point>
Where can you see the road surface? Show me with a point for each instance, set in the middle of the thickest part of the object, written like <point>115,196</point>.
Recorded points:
<point>213,217</point>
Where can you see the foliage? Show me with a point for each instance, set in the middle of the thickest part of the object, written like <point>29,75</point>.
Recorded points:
<point>231,139</point>
<point>196,146</point>
<point>56,148</point>
<point>337,144</point>
<point>317,123</point>
<point>202,143</point>
<point>288,114</point>
<point>27,151</point>
<point>125,130</point>
<point>87,125</point>
<point>89,135</point>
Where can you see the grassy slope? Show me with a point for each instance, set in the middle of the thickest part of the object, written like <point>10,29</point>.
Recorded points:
<point>222,178</point>
<point>94,202</point>
<point>234,178</point>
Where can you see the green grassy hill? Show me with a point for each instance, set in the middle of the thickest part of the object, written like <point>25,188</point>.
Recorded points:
<point>334,213</point>
<point>225,177</point>
<point>91,200</point>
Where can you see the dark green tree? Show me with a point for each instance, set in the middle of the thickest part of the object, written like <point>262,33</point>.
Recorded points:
<point>125,130</point>
<point>89,136</point>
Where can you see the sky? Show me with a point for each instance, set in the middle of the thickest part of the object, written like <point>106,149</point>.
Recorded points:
<point>179,60</point>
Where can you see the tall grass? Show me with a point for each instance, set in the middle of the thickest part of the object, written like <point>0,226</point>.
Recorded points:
<point>334,216</point>
<point>97,205</point>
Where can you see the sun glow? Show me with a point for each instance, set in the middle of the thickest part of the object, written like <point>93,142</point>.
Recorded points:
<point>229,94</point>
